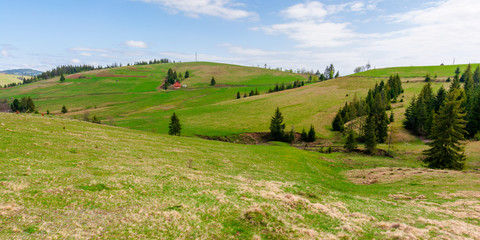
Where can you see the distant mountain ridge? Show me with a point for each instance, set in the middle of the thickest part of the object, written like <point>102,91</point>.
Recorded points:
<point>22,72</point>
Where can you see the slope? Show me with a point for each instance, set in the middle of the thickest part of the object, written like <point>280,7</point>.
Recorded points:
<point>64,178</point>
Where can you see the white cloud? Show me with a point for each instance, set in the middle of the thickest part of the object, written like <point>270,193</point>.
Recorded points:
<point>226,9</point>
<point>76,61</point>
<point>136,44</point>
<point>436,34</point>
<point>86,54</point>
<point>4,53</point>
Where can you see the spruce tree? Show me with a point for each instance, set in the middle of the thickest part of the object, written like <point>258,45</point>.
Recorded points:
<point>473,115</point>
<point>337,123</point>
<point>213,82</point>
<point>238,95</point>
<point>476,76</point>
<point>15,106</point>
<point>277,127</point>
<point>304,135</point>
<point>62,78</point>
<point>187,74</point>
<point>370,136</point>
<point>64,109</point>
<point>30,107</point>
<point>174,127</point>
<point>468,79</point>
<point>311,134</point>
<point>351,143</point>
<point>446,150</point>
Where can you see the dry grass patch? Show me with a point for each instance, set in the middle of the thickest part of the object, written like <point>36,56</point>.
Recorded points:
<point>390,175</point>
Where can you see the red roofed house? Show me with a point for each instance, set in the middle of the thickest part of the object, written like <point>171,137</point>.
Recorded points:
<point>177,85</point>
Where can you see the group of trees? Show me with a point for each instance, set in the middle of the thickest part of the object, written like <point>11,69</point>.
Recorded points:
<point>283,86</point>
<point>252,93</point>
<point>420,114</point>
<point>277,130</point>
<point>330,73</point>
<point>367,118</point>
<point>25,104</point>
<point>362,68</point>
<point>173,77</point>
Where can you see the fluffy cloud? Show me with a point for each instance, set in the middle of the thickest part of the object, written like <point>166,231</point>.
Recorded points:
<point>226,9</point>
<point>76,61</point>
<point>4,53</point>
<point>136,44</point>
<point>436,34</point>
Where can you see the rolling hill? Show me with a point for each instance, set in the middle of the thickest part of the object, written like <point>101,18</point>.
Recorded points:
<point>22,72</point>
<point>62,178</point>
<point>66,178</point>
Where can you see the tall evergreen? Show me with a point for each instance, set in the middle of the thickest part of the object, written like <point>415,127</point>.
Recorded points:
<point>468,79</point>
<point>62,78</point>
<point>446,150</point>
<point>277,127</point>
<point>337,123</point>
<point>174,127</point>
<point>473,115</point>
<point>64,109</point>
<point>476,76</point>
<point>187,74</point>
<point>238,95</point>
<point>311,134</point>
<point>30,107</point>
<point>370,136</point>
<point>213,82</point>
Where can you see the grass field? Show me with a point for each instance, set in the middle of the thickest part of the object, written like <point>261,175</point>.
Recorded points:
<point>63,178</point>
<point>8,78</point>
<point>137,102</point>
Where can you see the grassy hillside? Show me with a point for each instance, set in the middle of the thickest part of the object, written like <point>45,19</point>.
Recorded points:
<point>68,179</point>
<point>8,78</point>
<point>131,97</point>
<point>420,71</point>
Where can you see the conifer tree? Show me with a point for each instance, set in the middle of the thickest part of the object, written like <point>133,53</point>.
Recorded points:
<point>476,76</point>
<point>277,127</point>
<point>446,150</point>
<point>245,95</point>
<point>174,127</point>
<point>311,134</point>
<point>30,107</point>
<point>62,78</point>
<point>187,74</point>
<point>304,135</point>
<point>213,82</point>
<point>337,123</point>
<point>351,143</point>
<point>238,95</point>
<point>64,109</point>
<point>370,136</point>
<point>468,79</point>
<point>473,115</point>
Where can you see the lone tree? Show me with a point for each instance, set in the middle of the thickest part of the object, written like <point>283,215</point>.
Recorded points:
<point>351,143</point>
<point>62,78</point>
<point>448,130</point>
<point>311,134</point>
<point>213,82</point>
<point>238,95</point>
<point>64,109</point>
<point>187,74</point>
<point>277,127</point>
<point>174,127</point>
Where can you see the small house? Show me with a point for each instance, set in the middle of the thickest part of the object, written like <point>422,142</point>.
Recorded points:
<point>177,85</point>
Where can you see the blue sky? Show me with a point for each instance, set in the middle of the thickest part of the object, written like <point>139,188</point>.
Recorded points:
<point>42,34</point>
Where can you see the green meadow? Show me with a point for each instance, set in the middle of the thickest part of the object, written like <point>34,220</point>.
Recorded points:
<point>8,78</point>
<point>62,177</point>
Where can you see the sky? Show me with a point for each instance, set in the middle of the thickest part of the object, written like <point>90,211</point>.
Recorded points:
<point>42,34</point>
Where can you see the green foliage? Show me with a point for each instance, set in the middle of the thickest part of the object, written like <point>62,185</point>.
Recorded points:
<point>304,135</point>
<point>64,109</point>
<point>351,143</point>
<point>338,123</point>
<point>419,114</point>
<point>277,127</point>
<point>370,136</point>
<point>213,82</point>
<point>238,95</point>
<point>392,117</point>
<point>187,74</point>
<point>446,151</point>
<point>174,127</point>
<point>96,120</point>
<point>25,104</point>
<point>311,134</point>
